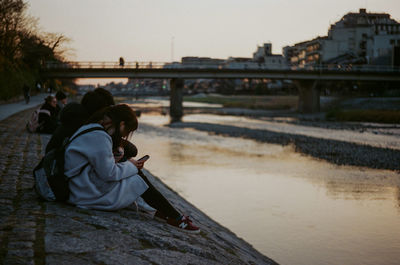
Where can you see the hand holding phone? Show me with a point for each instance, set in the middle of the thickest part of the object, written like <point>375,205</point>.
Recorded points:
<point>140,162</point>
<point>144,158</point>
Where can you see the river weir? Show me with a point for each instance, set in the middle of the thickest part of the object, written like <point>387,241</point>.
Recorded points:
<point>292,207</point>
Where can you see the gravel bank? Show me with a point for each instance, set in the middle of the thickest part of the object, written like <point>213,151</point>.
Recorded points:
<point>335,151</point>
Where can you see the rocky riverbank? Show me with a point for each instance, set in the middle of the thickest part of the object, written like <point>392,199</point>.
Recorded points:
<point>333,150</point>
<point>370,145</point>
<point>37,232</point>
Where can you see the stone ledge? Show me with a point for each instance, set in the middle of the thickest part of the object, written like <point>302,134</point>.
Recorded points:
<point>128,237</point>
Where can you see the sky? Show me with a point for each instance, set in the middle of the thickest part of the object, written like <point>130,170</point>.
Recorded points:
<point>166,30</point>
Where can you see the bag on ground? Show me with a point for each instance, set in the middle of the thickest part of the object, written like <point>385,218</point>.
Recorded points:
<point>33,123</point>
<point>51,184</point>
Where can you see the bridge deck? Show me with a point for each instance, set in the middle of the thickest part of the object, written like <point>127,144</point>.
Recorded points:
<point>167,71</point>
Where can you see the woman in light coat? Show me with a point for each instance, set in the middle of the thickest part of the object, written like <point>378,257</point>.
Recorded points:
<point>97,181</point>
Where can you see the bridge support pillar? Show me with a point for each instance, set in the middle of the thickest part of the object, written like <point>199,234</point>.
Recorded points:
<point>176,100</point>
<point>308,96</point>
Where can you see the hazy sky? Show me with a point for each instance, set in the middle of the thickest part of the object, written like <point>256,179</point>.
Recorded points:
<point>104,30</point>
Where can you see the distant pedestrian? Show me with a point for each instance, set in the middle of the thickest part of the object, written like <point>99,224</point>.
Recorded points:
<point>121,61</point>
<point>27,93</point>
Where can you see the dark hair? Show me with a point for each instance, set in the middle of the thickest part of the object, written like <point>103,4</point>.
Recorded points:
<point>48,99</point>
<point>73,115</point>
<point>60,95</point>
<point>108,97</point>
<point>117,114</point>
<point>94,102</point>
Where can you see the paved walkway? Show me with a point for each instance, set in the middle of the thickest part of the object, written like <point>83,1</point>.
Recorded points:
<point>7,110</point>
<point>21,216</point>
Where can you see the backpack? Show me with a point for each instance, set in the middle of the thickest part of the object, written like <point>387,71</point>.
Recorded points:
<point>33,122</point>
<point>51,184</point>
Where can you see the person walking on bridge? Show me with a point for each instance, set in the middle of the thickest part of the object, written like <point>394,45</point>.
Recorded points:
<point>121,61</point>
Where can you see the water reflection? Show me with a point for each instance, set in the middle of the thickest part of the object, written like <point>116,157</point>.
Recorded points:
<point>176,152</point>
<point>294,209</point>
<point>354,191</point>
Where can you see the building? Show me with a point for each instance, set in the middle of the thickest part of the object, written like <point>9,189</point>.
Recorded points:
<point>264,57</point>
<point>358,38</point>
<point>240,63</point>
<point>202,62</point>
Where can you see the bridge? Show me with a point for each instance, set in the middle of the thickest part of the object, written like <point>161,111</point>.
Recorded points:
<point>305,78</point>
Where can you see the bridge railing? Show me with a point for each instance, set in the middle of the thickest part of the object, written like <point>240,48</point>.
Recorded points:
<point>349,67</point>
<point>103,65</point>
<point>241,66</point>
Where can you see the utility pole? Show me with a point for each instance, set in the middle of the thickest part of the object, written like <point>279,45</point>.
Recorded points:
<point>172,48</point>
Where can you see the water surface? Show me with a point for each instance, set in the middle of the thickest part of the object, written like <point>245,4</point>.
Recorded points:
<point>292,208</point>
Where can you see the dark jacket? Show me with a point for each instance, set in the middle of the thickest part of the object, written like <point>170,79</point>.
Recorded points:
<point>72,116</point>
<point>48,123</point>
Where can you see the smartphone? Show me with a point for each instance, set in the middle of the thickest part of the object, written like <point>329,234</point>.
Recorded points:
<point>143,159</point>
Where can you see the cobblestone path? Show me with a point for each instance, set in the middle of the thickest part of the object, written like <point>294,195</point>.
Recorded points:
<point>21,214</point>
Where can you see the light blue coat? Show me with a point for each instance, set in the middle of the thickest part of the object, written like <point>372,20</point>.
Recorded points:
<point>103,184</point>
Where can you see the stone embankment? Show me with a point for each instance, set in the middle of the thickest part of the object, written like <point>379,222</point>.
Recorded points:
<point>37,232</point>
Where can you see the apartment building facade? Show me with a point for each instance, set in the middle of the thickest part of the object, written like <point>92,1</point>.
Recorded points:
<point>358,38</point>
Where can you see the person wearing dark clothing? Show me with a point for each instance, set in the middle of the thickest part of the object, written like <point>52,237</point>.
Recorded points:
<point>48,123</point>
<point>27,93</point>
<point>61,101</point>
<point>107,96</point>
<point>96,100</point>
<point>74,115</point>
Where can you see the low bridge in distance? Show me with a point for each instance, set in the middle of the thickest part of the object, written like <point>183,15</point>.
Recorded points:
<point>306,79</point>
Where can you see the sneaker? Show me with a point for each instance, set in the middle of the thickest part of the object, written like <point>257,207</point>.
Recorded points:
<point>184,224</point>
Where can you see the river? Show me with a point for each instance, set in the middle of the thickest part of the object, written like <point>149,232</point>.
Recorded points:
<point>293,208</point>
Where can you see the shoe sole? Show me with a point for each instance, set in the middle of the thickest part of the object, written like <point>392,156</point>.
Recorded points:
<point>146,214</point>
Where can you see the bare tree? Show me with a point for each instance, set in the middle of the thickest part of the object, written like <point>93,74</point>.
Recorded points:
<point>23,49</point>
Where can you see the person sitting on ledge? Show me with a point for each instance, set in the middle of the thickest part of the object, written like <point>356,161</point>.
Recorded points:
<point>61,101</point>
<point>74,115</point>
<point>48,120</point>
<point>98,182</point>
